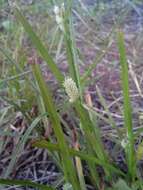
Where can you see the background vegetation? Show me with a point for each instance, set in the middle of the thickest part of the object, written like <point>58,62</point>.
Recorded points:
<point>86,134</point>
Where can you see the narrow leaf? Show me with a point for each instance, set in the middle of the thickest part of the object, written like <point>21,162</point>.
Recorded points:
<point>25,183</point>
<point>39,45</point>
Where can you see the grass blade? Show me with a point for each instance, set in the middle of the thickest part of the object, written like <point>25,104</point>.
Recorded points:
<point>103,103</point>
<point>73,152</point>
<point>71,48</point>
<point>25,183</point>
<point>39,45</point>
<point>130,153</point>
<point>68,167</point>
<point>20,145</point>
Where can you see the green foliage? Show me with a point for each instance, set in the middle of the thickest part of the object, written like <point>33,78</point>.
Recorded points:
<point>27,88</point>
<point>120,185</point>
<point>25,183</point>
<point>39,45</point>
<point>130,153</point>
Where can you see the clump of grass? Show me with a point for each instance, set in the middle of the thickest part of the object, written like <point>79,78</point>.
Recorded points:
<point>73,154</point>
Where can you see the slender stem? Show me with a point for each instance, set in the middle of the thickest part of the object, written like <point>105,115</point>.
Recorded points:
<point>130,153</point>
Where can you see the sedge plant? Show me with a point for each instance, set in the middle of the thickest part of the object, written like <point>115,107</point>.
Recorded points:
<point>92,152</point>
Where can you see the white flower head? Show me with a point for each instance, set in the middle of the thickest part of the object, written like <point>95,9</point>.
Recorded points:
<point>71,89</point>
<point>59,12</point>
<point>56,10</point>
<point>67,186</point>
<point>62,7</point>
<point>124,143</point>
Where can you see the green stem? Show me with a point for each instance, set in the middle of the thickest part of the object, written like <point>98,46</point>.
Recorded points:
<point>69,169</point>
<point>130,153</point>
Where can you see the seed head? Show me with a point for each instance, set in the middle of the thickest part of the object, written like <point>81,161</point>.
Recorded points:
<point>71,89</point>
<point>67,186</point>
<point>59,12</point>
<point>56,10</point>
<point>124,142</point>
